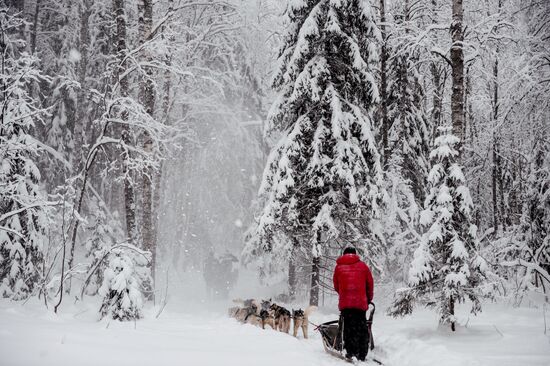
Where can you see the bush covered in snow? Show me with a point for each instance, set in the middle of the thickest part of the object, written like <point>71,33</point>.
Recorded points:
<point>102,235</point>
<point>123,279</point>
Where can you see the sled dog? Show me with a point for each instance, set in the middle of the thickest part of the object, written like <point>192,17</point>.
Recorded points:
<point>267,319</point>
<point>265,304</point>
<point>282,318</point>
<point>232,312</point>
<point>242,314</point>
<point>253,319</point>
<point>301,319</point>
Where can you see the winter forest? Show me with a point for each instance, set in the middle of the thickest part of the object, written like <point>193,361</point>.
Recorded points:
<point>160,159</point>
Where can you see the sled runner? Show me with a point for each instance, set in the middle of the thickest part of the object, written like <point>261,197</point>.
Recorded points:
<point>331,335</point>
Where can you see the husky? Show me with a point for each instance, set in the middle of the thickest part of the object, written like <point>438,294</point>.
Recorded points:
<point>265,304</point>
<point>243,313</point>
<point>232,312</point>
<point>282,318</point>
<point>253,319</point>
<point>248,315</point>
<point>249,303</point>
<point>301,319</point>
<point>267,318</point>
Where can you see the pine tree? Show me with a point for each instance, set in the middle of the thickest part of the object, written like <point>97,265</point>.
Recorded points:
<point>122,282</point>
<point>408,132</point>
<point>22,213</point>
<point>446,268</point>
<point>407,138</point>
<point>398,226</point>
<point>103,234</point>
<point>323,178</point>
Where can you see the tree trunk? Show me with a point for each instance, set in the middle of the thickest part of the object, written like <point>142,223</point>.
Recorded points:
<point>496,160</point>
<point>503,206</point>
<point>452,312</point>
<point>494,186</point>
<point>498,210</point>
<point>438,78</point>
<point>166,107</point>
<point>314,291</point>
<point>383,85</point>
<point>147,96</point>
<point>155,210</point>
<point>468,109</point>
<point>457,66</point>
<point>82,105</point>
<point>76,158</point>
<point>292,279</point>
<point>437,99</point>
<point>35,26</point>
<point>129,195</point>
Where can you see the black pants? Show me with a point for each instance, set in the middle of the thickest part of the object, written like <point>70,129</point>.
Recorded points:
<point>353,325</point>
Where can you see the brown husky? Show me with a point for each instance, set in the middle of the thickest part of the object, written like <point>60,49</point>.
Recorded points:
<point>243,314</point>
<point>253,319</point>
<point>301,319</point>
<point>267,318</point>
<point>282,318</point>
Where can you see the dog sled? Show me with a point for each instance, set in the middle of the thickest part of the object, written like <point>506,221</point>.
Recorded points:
<point>331,335</point>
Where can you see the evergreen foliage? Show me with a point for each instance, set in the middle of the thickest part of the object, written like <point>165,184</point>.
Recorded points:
<point>409,135</point>
<point>22,213</point>
<point>102,235</point>
<point>446,268</point>
<point>323,178</point>
<point>123,279</point>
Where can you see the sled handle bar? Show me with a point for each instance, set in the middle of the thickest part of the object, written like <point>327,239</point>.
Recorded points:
<point>371,315</point>
<point>369,320</point>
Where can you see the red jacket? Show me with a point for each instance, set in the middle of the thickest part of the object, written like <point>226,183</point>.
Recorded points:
<point>353,282</point>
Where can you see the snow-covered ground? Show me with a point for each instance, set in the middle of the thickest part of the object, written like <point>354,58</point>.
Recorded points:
<point>203,335</point>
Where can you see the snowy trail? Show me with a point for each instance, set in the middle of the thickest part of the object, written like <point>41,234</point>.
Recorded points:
<point>29,336</point>
<point>173,339</point>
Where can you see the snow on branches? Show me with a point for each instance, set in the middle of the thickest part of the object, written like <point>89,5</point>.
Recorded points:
<point>22,206</point>
<point>408,132</point>
<point>123,279</point>
<point>530,248</point>
<point>103,233</point>
<point>324,174</point>
<point>446,268</point>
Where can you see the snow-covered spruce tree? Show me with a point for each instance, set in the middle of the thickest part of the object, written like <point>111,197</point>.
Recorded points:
<point>323,178</point>
<point>404,136</point>
<point>446,268</point>
<point>397,228</point>
<point>103,231</point>
<point>22,214</point>
<point>118,271</point>
<point>123,279</point>
<point>408,138</point>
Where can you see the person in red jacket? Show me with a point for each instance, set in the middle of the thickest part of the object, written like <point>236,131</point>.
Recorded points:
<point>355,287</point>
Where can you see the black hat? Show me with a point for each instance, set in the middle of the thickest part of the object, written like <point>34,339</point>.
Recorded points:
<point>350,250</point>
